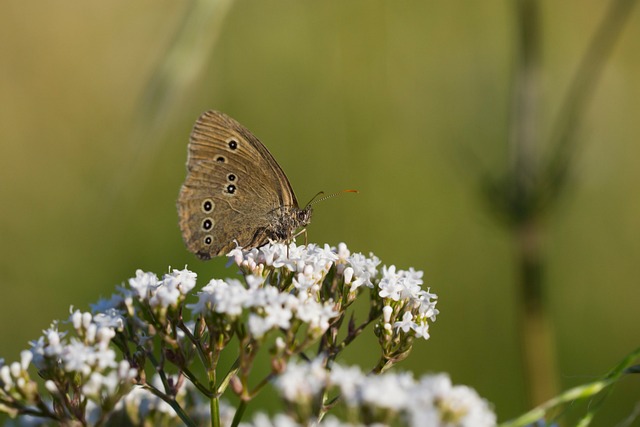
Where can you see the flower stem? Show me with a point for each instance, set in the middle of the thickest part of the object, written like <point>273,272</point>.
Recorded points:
<point>214,404</point>
<point>239,413</point>
<point>171,402</point>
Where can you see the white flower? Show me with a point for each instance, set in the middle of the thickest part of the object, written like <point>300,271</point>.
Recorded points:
<point>348,275</point>
<point>77,357</point>
<point>278,316</point>
<point>300,382</point>
<point>427,306</point>
<point>236,255</point>
<point>104,305</point>
<point>387,310</point>
<point>5,377</point>
<point>253,281</point>
<point>183,280</point>
<point>80,320</point>
<point>387,391</point>
<point>51,387</point>
<point>304,282</point>
<point>390,285</point>
<point>25,359</point>
<point>166,294</point>
<point>422,330</point>
<point>364,269</point>
<point>315,314</point>
<point>220,297</point>
<point>271,252</point>
<point>349,380</point>
<point>257,325</point>
<point>434,398</point>
<point>47,347</point>
<point>104,335</point>
<point>110,318</point>
<point>143,283</point>
<point>100,385</point>
<point>406,323</point>
<point>343,253</point>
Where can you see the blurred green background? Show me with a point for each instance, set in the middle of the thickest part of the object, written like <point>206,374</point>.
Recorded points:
<point>385,97</point>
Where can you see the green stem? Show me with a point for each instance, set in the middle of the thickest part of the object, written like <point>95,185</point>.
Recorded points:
<point>537,345</point>
<point>171,402</point>
<point>194,380</point>
<point>239,413</point>
<point>214,404</point>
<point>587,391</point>
<point>201,353</point>
<point>260,385</point>
<point>227,378</point>
<point>158,368</point>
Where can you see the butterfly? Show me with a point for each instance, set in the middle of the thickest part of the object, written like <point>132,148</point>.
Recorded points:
<point>235,193</point>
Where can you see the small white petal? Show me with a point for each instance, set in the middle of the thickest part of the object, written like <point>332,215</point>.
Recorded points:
<point>386,313</point>
<point>25,359</point>
<point>348,275</point>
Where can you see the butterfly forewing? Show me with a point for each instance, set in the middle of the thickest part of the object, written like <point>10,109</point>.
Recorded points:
<point>212,139</point>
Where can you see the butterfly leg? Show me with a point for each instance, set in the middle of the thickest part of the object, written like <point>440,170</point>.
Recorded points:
<point>303,231</point>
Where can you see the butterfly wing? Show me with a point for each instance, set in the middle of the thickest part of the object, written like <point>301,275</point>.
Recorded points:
<point>233,189</point>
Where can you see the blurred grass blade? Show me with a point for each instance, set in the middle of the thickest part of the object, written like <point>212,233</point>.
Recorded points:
<point>580,92</point>
<point>184,60</point>
<point>186,57</point>
<point>585,391</point>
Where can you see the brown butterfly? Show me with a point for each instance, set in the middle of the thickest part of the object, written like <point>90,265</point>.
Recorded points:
<point>235,191</point>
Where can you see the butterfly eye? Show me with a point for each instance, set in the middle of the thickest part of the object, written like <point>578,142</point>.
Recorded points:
<point>207,224</point>
<point>231,177</point>
<point>208,240</point>
<point>233,144</point>
<point>221,159</point>
<point>231,188</point>
<point>207,206</point>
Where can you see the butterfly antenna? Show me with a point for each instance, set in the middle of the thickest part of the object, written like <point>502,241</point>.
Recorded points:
<point>315,199</point>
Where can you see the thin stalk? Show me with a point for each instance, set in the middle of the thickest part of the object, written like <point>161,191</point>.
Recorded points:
<point>214,405</point>
<point>253,393</point>
<point>227,378</point>
<point>171,402</point>
<point>538,349</point>
<point>537,182</point>
<point>196,382</point>
<point>583,83</point>
<point>214,399</point>
<point>537,345</point>
<point>197,343</point>
<point>239,413</point>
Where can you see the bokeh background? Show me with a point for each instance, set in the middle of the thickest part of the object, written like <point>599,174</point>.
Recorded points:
<point>400,100</point>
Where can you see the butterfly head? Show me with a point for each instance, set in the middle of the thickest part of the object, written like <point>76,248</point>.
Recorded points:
<point>304,216</point>
<point>289,220</point>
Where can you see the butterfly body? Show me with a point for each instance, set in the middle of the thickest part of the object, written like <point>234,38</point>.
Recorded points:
<point>235,192</point>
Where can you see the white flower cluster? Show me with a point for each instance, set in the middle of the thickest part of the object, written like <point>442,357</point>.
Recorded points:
<point>304,291</point>
<point>402,293</point>
<point>309,263</point>
<point>161,294</point>
<point>431,401</point>
<point>407,307</point>
<point>15,382</point>
<point>90,357</point>
<point>81,373</point>
<point>268,307</point>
